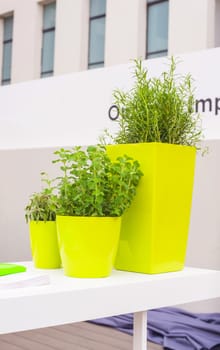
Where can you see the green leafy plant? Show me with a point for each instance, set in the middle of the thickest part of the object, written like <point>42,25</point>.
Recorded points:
<point>42,206</point>
<point>93,185</point>
<point>159,109</point>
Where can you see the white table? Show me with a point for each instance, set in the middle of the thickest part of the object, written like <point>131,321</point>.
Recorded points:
<point>67,300</point>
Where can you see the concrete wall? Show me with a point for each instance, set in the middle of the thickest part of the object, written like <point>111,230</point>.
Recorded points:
<point>71,39</point>
<point>26,38</point>
<point>193,25</point>
<point>125,31</point>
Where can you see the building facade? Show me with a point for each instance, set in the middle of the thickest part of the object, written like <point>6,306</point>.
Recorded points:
<point>41,38</point>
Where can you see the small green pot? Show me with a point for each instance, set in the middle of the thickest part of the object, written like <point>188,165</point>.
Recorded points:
<point>88,245</point>
<point>44,244</point>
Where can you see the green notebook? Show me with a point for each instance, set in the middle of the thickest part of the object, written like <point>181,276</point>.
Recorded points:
<point>7,269</point>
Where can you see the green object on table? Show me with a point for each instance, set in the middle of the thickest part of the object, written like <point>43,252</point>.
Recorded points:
<point>7,269</point>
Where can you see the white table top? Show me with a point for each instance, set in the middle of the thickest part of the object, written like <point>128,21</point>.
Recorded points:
<point>67,300</point>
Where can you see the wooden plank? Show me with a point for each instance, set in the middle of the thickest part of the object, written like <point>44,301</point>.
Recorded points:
<point>96,338</point>
<point>52,342</point>
<point>65,340</point>
<point>24,344</point>
<point>104,330</point>
<point>7,346</point>
<point>75,336</point>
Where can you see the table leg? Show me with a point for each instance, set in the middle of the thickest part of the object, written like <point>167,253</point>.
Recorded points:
<point>140,331</point>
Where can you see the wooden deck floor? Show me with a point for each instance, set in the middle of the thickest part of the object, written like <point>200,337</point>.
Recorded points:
<point>77,336</point>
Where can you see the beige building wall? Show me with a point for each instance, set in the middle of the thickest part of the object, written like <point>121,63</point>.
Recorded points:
<point>26,38</point>
<point>193,25</point>
<point>125,31</point>
<point>71,39</point>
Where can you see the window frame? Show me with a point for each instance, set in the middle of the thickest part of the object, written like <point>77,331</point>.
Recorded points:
<point>4,42</point>
<point>47,73</point>
<point>151,3</point>
<point>93,18</point>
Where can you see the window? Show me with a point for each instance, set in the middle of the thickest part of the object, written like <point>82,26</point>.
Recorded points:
<point>97,33</point>
<point>157,28</point>
<point>48,40</point>
<point>7,49</point>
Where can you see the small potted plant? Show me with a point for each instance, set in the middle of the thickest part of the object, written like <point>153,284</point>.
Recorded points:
<point>158,127</point>
<point>40,213</point>
<point>93,194</point>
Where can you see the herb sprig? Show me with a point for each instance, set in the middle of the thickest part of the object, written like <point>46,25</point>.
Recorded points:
<point>93,185</point>
<point>158,109</point>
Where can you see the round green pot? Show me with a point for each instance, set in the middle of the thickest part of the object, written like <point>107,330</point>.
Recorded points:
<point>44,244</point>
<point>88,245</point>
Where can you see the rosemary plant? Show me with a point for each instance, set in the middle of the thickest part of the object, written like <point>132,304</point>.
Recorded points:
<point>159,109</point>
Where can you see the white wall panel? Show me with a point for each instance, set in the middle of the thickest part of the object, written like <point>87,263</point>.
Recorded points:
<point>73,108</point>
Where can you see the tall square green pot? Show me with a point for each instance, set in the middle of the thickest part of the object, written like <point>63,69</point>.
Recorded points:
<point>154,229</point>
